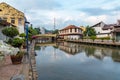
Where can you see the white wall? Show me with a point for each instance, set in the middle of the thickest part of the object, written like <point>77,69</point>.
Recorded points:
<point>2,37</point>
<point>74,36</point>
<point>99,30</point>
<point>20,29</point>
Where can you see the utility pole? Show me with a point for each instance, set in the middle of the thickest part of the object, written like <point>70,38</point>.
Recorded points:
<point>54,23</point>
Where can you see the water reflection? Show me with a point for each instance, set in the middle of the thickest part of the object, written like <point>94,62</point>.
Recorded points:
<point>96,52</point>
<point>70,61</point>
<point>90,51</point>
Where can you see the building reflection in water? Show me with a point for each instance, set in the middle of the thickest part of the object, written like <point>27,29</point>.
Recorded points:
<point>70,48</point>
<point>89,50</point>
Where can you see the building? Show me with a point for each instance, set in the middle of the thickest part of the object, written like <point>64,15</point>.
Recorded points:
<point>107,30</point>
<point>70,32</point>
<point>13,16</point>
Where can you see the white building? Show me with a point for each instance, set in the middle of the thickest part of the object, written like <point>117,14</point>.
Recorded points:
<point>107,30</point>
<point>70,32</point>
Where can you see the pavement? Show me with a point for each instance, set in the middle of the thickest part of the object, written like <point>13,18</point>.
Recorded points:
<point>8,70</point>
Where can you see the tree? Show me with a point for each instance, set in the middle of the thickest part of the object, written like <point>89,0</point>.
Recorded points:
<point>38,30</point>
<point>31,32</point>
<point>10,32</point>
<point>89,31</point>
<point>55,31</point>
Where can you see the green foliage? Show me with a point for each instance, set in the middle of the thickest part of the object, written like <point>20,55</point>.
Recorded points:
<point>89,31</point>
<point>38,30</point>
<point>93,37</point>
<point>20,53</point>
<point>17,42</point>
<point>104,38</point>
<point>31,32</point>
<point>55,31</point>
<point>22,35</point>
<point>10,32</point>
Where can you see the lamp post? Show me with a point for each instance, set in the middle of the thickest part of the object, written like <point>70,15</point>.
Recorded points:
<point>26,29</point>
<point>28,55</point>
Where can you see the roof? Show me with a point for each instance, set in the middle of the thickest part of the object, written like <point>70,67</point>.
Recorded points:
<point>108,26</point>
<point>3,3</point>
<point>71,27</point>
<point>98,23</point>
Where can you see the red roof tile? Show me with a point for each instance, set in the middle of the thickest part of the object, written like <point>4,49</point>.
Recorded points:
<point>70,27</point>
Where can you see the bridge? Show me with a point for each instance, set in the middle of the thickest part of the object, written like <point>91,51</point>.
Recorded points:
<point>43,38</point>
<point>46,44</point>
<point>46,35</point>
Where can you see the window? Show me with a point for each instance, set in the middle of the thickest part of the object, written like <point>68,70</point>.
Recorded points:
<point>75,30</point>
<point>4,19</point>
<point>0,9</point>
<point>70,30</point>
<point>20,21</point>
<point>13,20</point>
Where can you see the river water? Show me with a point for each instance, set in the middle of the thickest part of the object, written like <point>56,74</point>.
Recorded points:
<point>70,61</point>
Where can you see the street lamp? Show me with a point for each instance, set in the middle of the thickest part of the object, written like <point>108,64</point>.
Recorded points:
<point>29,57</point>
<point>26,29</point>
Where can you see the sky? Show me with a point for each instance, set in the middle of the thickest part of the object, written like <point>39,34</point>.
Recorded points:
<point>41,13</point>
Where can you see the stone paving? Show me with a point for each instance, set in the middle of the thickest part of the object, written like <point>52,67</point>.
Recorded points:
<point>7,69</point>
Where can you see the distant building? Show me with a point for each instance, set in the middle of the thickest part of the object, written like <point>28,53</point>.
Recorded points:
<point>13,16</point>
<point>42,30</point>
<point>108,30</point>
<point>70,32</point>
<point>83,28</point>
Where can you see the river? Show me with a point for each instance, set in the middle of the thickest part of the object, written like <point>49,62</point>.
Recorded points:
<point>70,61</point>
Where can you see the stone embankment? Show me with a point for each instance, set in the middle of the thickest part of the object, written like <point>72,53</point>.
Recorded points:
<point>32,63</point>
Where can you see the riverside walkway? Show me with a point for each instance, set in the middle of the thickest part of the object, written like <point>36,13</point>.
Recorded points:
<point>24,71</point>
<point>97,42</point>
<point>8,70</point>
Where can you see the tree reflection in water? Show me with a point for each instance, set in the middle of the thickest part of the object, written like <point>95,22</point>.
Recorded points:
<point>90,50</point>
<point>95,51</point>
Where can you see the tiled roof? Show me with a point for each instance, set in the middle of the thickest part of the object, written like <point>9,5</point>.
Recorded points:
<point>98,24</point>
<point>71,27</point>
<point>108,26</point>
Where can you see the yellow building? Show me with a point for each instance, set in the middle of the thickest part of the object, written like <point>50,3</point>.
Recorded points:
<point>83,28</point>
<point>13,16</point>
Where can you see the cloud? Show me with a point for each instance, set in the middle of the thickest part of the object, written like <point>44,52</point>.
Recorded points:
<point>100,11</point>
<point>95,19</point>
<point>77,12</point>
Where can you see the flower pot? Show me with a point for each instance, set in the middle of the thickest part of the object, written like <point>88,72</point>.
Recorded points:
<point>16,59</point>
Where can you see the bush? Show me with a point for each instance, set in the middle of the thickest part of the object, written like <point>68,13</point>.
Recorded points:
<point>22,35</point>
<point>10,32</point>
<point>17,42</point>
<point>93,37</point>
<point>104,38</point>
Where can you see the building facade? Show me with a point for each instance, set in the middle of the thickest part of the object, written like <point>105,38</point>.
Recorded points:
<point>13,16</point>
<point>70,32</point>
<point>107,30</point>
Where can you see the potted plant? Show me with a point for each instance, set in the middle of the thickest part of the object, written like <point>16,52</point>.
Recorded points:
<point>17,58</point>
